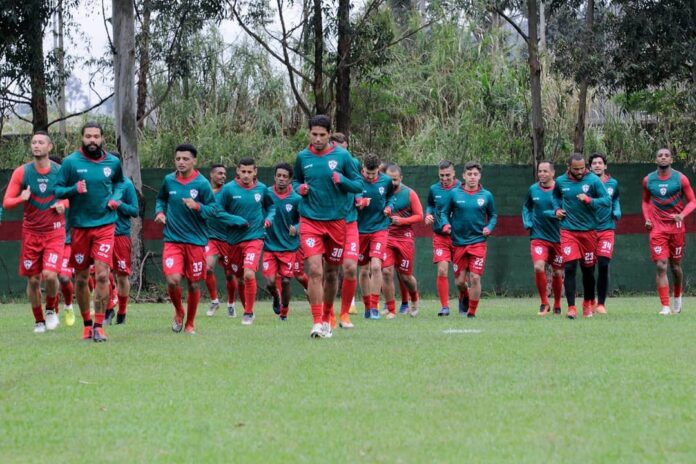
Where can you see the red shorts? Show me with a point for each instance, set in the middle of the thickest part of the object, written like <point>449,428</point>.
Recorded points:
<point>325,238</point>
<point>400,252</point>
<point>279,262</point>
<point>605,243</point>
<point>351,246</point>
<point>299,263</point>
<point>184,259</point>
<point>122,255</point>
<point>372,245</point>
<point>548,252</point>
<point>93,244</point>
<point>579,245</point>
<point>41,252</point>
<point>470,258</point>
<point>65,269</point>
<point>216,248</point>
<point>243,255</point>
<point>442,248</point>
<point>667,245</point>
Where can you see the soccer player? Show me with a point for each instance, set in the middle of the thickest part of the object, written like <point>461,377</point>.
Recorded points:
<point>282,239</point>
<point>667,200</point>
<point>184,202</point>
<point>325,174</point>
<point>606,225</point>
<point>248,200</point>
<point>438,197</point>
<point>545,237</point>
<point>577,195</point>
<point>65,277</point>
<point>90,178</point>
<point>375,207</point>
<point>43,228</point>
<point>401,247</point>
<point>469,217</point>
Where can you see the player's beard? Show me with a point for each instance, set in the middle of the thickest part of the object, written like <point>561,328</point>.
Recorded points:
<point>92,150</point>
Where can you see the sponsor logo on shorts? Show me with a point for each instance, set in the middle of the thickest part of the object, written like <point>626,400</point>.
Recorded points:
<point>193,193</point>
<point>27,263</point>
<point>310,242</point>
<point>566,250</point>
<point>585,188</point>
<point>169,262</point>
<point>257,197</point>
<point>333,164</point>
<point>538,250</point>
<point>107,172</point>
<point>79,258</point>
<point>480,201</point>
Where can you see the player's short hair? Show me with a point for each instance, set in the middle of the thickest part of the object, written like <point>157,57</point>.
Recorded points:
<point>217,166</point>
<point>445,164</point>
<point>598,155</point>
<point>338,137</point>
<point>248,161</point>
<point>187,147</point>
<point>92,125</point>
<point>384,166</point>
<point>575,157</point>
<point>44,133</point>
<point>371,161</point>
<point>547,162</point>
<point>320,120</point>
<point>472,165</point>
<point>664,148</point>
<point>393,167</point>
<point>285,166</point>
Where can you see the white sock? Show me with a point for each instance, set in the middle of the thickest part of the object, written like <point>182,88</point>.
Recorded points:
<point>215,301</point>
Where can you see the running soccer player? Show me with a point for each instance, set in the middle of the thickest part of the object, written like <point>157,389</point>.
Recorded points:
<point>43,228</point>
<point>401,247</point>
<point>545,237</point>
<point>282,239</point>
<point>375,207</point>
<point>577,195</point>
<point>184,202</point>
<point>325,174</point>
<point>90,178</point>
<point>606,226</point>
<point>248,200</point>
<point>438,197</point>
<point>667,200</point>
<point>469,217</point>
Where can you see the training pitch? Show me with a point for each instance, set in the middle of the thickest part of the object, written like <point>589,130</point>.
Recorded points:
<point>508,386</point>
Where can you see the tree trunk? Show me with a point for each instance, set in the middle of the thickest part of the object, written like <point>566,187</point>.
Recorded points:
<point>37,74</point>
<point>58,32</point>
<point>542,26</point>
<point>579,135</point>
<point>535,83</point>
<point>144,68</point>
<point>319,104</point>
<point>343,110</point>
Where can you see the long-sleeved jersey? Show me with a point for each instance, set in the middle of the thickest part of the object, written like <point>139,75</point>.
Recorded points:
<point>380,192</point>
<point>253,204</point>
<point>608,215</point>
<point>408,208</point>
<point>538,215</point>
<point>128,208</point>
<point>326,200</point>
<point>352,214</point>
<point>438,197</point>
<point>287,214</point>
<point>102,177</point>
<point>665,196</point>
<point>580,216</point>
<point>468,213</point>
<point>185,225</point>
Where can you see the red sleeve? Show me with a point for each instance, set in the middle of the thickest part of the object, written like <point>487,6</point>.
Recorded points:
<point>14,188</point>
<point>646,200</point>
<point>689,192</point>
<point>416,208</point>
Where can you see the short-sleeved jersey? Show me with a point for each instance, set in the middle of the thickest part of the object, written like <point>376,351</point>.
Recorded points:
<point>326,200</point>
<point>128,208</point>
<point>438,197</point>
<point>580,216</point>
<point>380,191</point>
<point>406,205</point>
<point>665,196</point>
<point>253,203</point>
<point>102,177</point>
<point>286,214</point>
<point>608,215</point>
<point>468,212</point>
<point>185,225</point>
<point>538,215</point>
<point>38,217</point>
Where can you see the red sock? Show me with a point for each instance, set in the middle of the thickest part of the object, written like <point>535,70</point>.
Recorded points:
<point>347,294</point>
<point>113,299</point>
<point>677,290</point>
<point>175,296</point>
<point>317,311</point>
<point>303,280</point>
<point>404,292</point>
<point>211,285</point>
<point>414,296</point>
<point>557,285</point>
<point>68,291</point>
<point>231,290</point>
<point>98,319</point>
<point>122,304</point>
<point>443,291</point>
<point>663,292</point>
<point>194,296</point>
<point>391,306</point>
<point>540,279</point>
<point>52,302</point>
<point>367,301</point>
<point>249,296</point>
<point>374,301</point>
<point>284,311</point>
<point>327,310</point>
<point>86,317</point>
<point>473,306</point>
<point>241,290</point>
<point>38,314</point>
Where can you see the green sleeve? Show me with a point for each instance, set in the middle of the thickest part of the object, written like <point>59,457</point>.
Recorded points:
<point>616,209</point>
<point>62,189</point>
<point>129,200</point>
<point>162,199</point>
<point>492,213</point>
<point>527,215</point>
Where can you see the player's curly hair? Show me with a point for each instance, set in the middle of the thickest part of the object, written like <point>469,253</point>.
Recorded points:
<point>320,120</point>
<point>285,166</point>
<point>371,161</point>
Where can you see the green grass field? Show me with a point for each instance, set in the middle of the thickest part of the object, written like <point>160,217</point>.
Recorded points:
<point>506,387</point>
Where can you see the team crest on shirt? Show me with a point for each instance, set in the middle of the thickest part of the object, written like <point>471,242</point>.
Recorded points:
<point>480,201</point>
<point>381,190</point>
<point>658,250</point>
<point>257,197</point>
<point>107,172</point>
<point>193,193</point>
<point>169,262</point>
<point>288,207</point>
<point>27,264</point>
<point>43,187</point>
<point>610,191</point>
<point>79,258</point>
<point>333,164</point>
<point>310,242</point>
<point>585,188</point>
<point>538,250</point>
<point>663,191</point>
<point>566,250</point>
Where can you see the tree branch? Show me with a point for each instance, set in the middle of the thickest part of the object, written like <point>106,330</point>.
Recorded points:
<point>509,20</point>
<point>20,117</point>
<point>300,101</point>
<point>101,102</point>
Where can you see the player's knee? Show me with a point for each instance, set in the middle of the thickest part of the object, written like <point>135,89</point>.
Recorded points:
<point>375,266</point>
<point>603,261</point>
<point>661,266</point>
<point>474,279</point>
<point>34,282</point>
<point>675,266</point>
<point>539,266</point>
<point>193,286</point>
<point>249,275</point>
<point>350,270</point>
<point>49,275</point>
<point>388,273</point>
